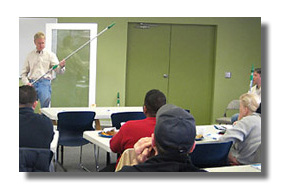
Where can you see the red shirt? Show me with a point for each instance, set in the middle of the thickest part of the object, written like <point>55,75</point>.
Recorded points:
<point>131,132</point>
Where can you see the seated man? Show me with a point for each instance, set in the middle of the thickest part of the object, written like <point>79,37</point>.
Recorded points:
<point>172,141</point>
<point>256,89</point>
<point>35,130</point>
<point>133,130</point>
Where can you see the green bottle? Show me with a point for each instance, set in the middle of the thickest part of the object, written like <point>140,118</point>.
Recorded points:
<point>118,99</point>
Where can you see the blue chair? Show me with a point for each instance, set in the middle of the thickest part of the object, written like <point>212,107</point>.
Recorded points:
<point>71,126</point>
<point>118,118</point>
<point>34,159</point>
<point>213,154</point>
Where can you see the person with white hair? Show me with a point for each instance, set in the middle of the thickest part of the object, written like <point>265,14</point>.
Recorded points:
<point>246,133</point>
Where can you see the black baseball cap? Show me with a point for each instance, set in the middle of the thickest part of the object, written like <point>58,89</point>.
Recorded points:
<point>175,129</point>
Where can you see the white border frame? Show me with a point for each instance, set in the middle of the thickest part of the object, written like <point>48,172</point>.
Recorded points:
<point>93,27</point>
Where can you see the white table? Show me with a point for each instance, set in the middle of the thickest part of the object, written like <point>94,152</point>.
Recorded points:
<point>209,132</point>
<point>101,112</point>
<point>104,143</point>
<point>99,142</point>
<point>240,168</point>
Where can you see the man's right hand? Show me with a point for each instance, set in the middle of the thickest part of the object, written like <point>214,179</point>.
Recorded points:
<point>143,149</point>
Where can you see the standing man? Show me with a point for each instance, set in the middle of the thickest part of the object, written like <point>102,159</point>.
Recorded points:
<point>37,63</point>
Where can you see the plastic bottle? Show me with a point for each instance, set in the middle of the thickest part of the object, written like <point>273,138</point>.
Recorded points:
<point>118,99</point>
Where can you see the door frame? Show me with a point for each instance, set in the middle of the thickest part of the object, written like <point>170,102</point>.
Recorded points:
<point>171,71</point>
<point>93,28</point>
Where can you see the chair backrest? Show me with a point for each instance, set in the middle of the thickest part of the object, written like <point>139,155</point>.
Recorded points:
<point>118,118</point>
<point>71,126</point>
<point>34,159</point>
<point>75,121</point>
<point>233,105</point>
<point>128,158</point>
<point>213,154</point>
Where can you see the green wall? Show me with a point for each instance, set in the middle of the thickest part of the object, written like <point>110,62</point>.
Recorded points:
<point>238,46</point>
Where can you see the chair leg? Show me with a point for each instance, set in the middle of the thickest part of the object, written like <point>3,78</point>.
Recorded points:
<point>108,159</point>
<point>81,165</point>
<point>56,158</point>
<point>62,158</point>
<point>57,152</point>
<point>52,167</point>
<point>96,150</point>
<point>81,151</point>
<point>62,154</point>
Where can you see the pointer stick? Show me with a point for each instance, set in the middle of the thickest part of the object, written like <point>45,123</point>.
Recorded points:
<point>67,57</point>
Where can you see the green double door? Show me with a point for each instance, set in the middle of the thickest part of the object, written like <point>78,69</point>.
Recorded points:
<point>176,59</point>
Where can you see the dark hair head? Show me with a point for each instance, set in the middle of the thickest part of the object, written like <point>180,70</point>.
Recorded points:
<point>154,99</point>
<point>258,70</point>
<point>27,95</point>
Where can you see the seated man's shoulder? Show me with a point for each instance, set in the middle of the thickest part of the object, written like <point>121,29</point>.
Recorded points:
<point>43,118</point>
<point>130,124</point>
